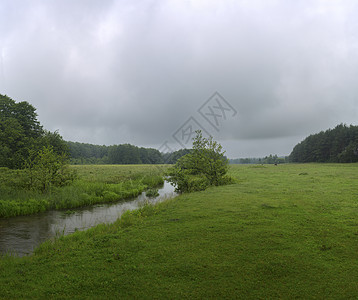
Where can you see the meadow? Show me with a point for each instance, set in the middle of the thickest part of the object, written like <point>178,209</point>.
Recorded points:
<point>281,232</point>
<point>94,184</point>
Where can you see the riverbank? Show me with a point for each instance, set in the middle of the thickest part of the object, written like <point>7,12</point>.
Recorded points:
<point>286,231</point>
<point>95,184</point>
<point>21,235</point>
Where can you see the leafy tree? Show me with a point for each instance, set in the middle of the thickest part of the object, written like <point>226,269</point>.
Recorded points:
<point>54,140</point>
<point>25,113</point>
<point>206,165</point>
<point>21,134</point>
<point>12,143</point>
<point>150,156</point>
<point>87,153</point>
<point>350,153</point>
<point>124,154</point>
<point>18,131</point>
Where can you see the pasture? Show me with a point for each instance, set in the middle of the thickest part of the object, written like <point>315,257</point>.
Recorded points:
<point>286,231</point>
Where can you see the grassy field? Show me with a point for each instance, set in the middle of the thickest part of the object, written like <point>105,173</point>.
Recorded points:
<point>95,184</point>
<point>282,232</point>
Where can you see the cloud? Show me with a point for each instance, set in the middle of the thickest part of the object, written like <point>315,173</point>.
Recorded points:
<point>112,72</point>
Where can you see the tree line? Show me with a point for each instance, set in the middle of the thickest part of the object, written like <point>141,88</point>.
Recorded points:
<point>270,159</point>
<point>333,145</point>
<point>83,153</point>
<point>22,137</point>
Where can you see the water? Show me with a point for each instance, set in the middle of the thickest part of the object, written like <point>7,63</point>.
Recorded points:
<point>21,235</point>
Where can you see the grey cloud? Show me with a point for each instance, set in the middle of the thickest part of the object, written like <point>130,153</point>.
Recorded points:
<point>112,72</point>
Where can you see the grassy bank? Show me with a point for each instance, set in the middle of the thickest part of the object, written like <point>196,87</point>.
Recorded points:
<point>287,231</point>
<point>95,184</point>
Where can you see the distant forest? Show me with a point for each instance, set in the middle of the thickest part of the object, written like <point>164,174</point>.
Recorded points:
<point>271,159</point>
<point>333,145</point>
<point>82,153</point>
<point>22,136</point>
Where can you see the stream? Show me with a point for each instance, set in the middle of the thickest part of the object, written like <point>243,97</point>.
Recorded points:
<point>21,235</point>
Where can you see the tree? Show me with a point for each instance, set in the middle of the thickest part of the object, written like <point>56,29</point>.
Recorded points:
<point>333,145</point>
<point>150,156</point>
<point>21,134</point>
<point>124,154</point>
<point>349,154</point>
<point>12,143</point>
<point>54,140</point>
<point>204,166</point>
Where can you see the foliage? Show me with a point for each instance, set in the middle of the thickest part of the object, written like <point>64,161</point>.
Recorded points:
<point>55,141</point>
<point>21,134</point>
<point>21,191</point>
<point>150,156</point>
<point>205,165</point>
<point>172,157</point>
<point>124,154</point>
<point>24,113</point>
<point>333,145</point>
<point>81,153</point>
<point>47,168</point>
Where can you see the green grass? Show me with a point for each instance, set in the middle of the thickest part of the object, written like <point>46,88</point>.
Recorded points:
<point>281,232</point>
<point>117,173</point>
<point>95,184</point>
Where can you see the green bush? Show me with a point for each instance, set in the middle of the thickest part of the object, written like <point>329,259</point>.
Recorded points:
<point>197,183</point>
<point>206,165</point>
<point>46,168</point>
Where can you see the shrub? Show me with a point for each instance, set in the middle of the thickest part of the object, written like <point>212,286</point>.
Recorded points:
<point>47,168</point>
<point>206,165</point>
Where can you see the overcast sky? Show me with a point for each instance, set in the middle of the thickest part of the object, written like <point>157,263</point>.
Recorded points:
<point>145,72</point>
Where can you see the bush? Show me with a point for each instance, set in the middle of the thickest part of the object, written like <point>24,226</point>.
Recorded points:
<point>47,168</point>
<point>197,183</point>
<point>206,165</point>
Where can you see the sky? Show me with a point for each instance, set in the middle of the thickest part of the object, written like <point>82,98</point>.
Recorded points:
<point>257,75</point>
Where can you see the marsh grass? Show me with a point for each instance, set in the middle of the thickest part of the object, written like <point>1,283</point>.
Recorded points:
<point>273,235</point>
<point>95,184</point>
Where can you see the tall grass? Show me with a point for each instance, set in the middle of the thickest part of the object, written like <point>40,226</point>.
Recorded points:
<point>95,184</point>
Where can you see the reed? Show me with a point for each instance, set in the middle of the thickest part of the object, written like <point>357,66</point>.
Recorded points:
<point>95,185</point>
